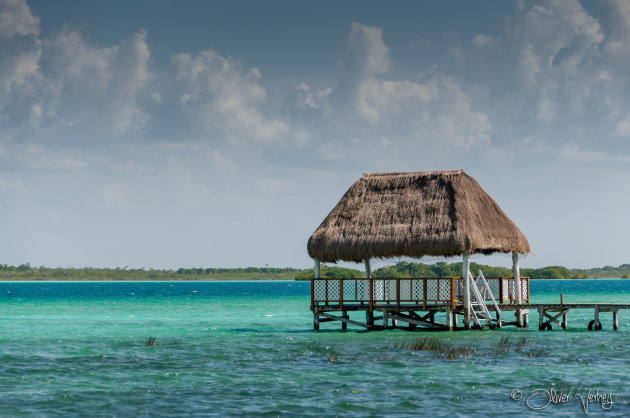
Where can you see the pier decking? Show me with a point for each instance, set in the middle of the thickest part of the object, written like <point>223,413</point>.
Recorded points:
<point>435,303</point>
<point>399,300</point>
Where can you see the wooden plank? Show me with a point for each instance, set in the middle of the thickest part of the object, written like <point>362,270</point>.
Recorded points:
<point>344,320</point>
<point>405,318</point>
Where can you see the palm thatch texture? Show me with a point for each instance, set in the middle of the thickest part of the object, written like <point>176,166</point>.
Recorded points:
<point>437,213</point>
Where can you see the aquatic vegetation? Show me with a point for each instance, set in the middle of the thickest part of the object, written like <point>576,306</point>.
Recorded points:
<point>444,349</point>
<point>154,342</point>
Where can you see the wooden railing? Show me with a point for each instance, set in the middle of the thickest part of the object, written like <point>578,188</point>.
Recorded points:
<point>407,291</point>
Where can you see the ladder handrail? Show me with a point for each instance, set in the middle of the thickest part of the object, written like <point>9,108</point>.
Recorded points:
<point>494,301</point>
<point>480,301</point>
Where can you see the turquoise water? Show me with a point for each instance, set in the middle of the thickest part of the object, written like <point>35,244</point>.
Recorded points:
<point>248,348</point>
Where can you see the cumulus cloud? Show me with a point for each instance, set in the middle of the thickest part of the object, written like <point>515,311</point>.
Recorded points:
<point>93,83</point>
<point>555,72</point>
<point>615,20</point>
<point>225,98</point>
<point>431,112</point>
<point>365,54</point>
<point>20,46</point>
<point>64,81</point>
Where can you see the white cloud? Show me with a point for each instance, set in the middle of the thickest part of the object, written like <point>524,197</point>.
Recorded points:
<point>365,54</point>
<point>223,97</point>
<point>99,85</point>
<point>16,18</point>
<point>573,152</point>
<point>156,97</point>
<point>481,40</point>
<point>615,19</point>
<point>557,73</point>
<point>431,113</point>
<point>19,45</point>
<point>312,99</point>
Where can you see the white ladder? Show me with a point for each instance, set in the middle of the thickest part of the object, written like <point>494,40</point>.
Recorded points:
<point>478,306</point>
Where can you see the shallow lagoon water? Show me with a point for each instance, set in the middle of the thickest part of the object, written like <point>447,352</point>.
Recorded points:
<point>248,348</point>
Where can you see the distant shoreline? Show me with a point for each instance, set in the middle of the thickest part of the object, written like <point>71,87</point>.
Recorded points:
<point>401,269</point>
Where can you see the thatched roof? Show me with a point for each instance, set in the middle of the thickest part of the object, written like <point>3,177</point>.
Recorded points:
<point>438,213</point>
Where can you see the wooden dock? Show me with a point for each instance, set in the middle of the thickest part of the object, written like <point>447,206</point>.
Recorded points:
<point>435,304</point>
<point>557,313</point>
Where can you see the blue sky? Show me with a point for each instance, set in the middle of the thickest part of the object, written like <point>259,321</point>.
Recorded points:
<point>166,134</point>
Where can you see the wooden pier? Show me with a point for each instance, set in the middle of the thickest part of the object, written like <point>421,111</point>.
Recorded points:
<point>557,313</point>
<point>435,303</point>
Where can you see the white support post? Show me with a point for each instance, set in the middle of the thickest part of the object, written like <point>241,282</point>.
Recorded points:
<point>466,277</point>
<point>516,271</point>
<point>368,270</point>
<point>316,268</point>
<point>517,278</point>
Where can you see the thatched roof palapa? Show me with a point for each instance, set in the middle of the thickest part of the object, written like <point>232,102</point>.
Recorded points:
<point>436,213</point>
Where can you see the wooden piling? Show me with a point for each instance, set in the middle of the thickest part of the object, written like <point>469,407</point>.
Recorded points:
<point>369,318</point>
<point>449,319</point>
<point>565,320</point>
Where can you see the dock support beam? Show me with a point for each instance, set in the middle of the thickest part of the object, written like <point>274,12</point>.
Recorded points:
<point>565,320</point>
<point>616,320</point>
<point>369,319</point>
<point>466,277</point>
<point>595,325</point>
<point>517,287</point>
<point>314,308</point>
<point>449,319</point>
